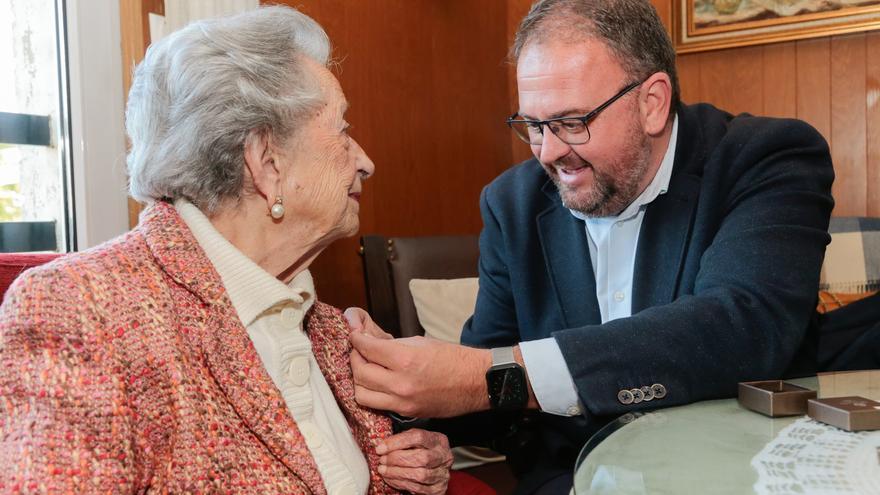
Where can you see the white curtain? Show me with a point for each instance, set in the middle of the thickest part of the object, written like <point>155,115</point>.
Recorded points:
<point>179,13</point>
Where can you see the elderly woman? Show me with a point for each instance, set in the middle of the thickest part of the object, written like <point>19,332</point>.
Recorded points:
<point>190,355</point>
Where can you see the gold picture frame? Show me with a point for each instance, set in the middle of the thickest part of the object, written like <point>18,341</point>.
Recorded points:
<point>700,25</point>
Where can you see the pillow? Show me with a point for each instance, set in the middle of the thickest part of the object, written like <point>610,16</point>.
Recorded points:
<point>443,305</point>
<point>13,264</point>
<point>852,260</point>
<point>851,270</point>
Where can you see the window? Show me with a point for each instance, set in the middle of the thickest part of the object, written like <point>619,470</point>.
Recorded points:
<point>35,212</point>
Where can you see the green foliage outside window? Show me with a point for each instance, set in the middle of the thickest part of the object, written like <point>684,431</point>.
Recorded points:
<point>9,211</point>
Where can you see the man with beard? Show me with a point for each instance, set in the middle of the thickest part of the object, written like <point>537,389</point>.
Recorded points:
<point>652,253</point>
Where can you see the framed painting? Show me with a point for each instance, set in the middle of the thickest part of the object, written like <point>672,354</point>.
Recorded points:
<point>712,24</point>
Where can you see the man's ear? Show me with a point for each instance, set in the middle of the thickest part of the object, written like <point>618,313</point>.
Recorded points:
<point>261,165</point>
<point>655,101</point>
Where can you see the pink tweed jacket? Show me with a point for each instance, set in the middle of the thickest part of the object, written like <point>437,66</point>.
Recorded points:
<point>125,369</point>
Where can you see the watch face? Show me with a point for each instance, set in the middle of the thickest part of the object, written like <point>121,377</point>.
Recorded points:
<point>507,387</point>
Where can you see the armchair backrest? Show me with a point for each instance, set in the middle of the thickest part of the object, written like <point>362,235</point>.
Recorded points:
<point>13,264</point>
<point>391,262</point>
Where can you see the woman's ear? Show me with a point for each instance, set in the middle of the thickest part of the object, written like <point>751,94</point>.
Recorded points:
<point>261,164</point>
<point>655,101</point>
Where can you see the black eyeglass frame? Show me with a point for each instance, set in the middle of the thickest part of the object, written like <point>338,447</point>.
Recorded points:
<point>584,120</point>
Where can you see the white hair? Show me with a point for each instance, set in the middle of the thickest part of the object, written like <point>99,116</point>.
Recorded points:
<point>200,92</point>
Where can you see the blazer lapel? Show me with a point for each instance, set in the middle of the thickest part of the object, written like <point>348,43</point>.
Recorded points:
<point>668,220</point>
<point>662,240</point>
<point>227,349</point>
<point>567,255</point>
<point>329,334</point>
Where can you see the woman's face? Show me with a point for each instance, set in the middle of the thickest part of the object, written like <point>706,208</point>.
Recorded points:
<point>325,167</point>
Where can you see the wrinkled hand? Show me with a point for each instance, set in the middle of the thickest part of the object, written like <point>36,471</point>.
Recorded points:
<point>416,461</point>
<point>415,376</point>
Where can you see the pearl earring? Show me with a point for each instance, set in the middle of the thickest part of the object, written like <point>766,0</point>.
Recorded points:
<point>277,210</point>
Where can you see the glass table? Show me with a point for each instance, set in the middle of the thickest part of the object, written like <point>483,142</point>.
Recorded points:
<point>705,447</point>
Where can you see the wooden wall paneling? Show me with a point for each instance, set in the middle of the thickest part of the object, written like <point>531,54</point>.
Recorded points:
<point>733,79</point>
<point>687,66</point>
<point>688,69</point>
<point>795,79</point>
<point>429,92</point>
<point>780,90</point>
<point>472,101</point>
<point>135,38</point>
<point>813,82</point>
<point>516,10</point>
<point>131,33</point>
<point>135,33</point>
<point>520,150</point>
<point>872,126</point>
<point>373,114</point>
<point>664,11</point>
<point>848,124</point>
<point>380,74</point>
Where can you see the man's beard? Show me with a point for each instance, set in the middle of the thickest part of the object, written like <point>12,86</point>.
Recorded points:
<point>614,187</point>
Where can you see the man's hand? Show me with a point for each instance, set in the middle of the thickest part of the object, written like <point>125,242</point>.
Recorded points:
<point>416,461</point>
<point>415,376</point>
<point>360,321</point>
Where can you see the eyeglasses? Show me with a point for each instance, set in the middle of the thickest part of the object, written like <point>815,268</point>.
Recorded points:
<point>569,130</point>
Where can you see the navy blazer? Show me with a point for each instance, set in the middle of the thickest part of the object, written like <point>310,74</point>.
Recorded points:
<point>725,275</point>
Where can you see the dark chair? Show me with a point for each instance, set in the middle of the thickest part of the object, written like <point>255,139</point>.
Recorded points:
<point>389,264</point>
<point>849,337</point>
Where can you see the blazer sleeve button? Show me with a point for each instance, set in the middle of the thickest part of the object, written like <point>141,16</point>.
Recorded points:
<point>625,397</point>
<point>648,392</point>
<point>659,390</point>
<point>638,396</point>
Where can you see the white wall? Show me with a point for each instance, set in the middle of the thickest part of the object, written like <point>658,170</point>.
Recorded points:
<point>96,107</point>
<point>179,13</point>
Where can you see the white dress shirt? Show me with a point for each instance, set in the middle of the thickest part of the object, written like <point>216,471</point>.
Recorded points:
<point>612,243</point>
<point>272,313</point>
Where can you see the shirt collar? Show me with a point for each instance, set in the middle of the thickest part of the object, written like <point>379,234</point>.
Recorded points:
<point>251,289</point>
<point>659,184</point>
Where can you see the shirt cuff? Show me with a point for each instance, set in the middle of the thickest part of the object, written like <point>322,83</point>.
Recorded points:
<point>551,381</point>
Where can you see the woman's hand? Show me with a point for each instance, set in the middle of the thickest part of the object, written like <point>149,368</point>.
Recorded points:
<point>416,461</point>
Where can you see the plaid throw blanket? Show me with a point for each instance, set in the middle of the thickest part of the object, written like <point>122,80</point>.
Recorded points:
<point>852,260</point>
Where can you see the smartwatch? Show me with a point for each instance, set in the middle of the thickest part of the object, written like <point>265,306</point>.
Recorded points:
<point>506,381</point>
